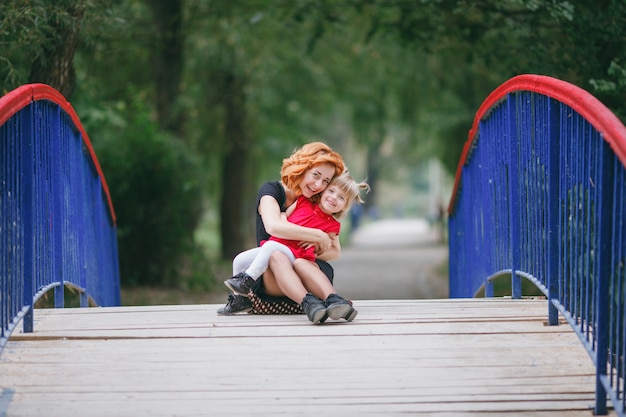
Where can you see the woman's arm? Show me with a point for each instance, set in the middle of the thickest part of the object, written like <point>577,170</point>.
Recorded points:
<point>279,227</point>
<point>291,209</point>
<point>333,252</point>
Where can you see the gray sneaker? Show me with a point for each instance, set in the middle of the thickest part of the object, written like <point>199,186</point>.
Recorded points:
<point>339,308</point>
<point>236,304</point>
<point>240,284</point>
<point>314,308</point>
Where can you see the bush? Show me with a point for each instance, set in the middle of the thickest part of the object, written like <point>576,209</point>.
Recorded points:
<point>155,184</point>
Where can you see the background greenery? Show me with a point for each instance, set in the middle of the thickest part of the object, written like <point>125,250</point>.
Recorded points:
<point>191,104</point>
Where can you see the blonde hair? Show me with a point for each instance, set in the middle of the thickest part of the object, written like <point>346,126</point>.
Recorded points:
<point>307,157</point>
<point>353,189</point>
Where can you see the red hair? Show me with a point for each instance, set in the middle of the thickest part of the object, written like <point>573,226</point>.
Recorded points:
<point>307,157</point>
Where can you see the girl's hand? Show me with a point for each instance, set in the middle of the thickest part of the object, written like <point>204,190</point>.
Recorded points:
<point>306,245</point>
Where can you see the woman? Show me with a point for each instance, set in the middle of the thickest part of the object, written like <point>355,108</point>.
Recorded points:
<point>335,201</point>
<point>307,172</point>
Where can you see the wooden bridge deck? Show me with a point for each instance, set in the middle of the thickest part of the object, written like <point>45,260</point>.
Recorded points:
<point>474,357</point>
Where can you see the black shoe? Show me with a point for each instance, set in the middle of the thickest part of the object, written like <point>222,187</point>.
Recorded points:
<point>240,284</point>
<point>339,308</point>
<point>314,308</point>
<point>236,305</point>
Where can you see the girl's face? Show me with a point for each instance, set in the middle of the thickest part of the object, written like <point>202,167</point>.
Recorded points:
<point>333,200</point>
<point>316,179</point>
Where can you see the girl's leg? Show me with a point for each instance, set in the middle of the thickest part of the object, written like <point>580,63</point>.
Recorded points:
<point>262,259</point>
<point>240,283</point>
<point>243,260</point>
<point>251,264</point>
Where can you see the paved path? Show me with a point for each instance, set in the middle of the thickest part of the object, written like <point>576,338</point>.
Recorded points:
<point>393,259</point>
<point>389,259</point>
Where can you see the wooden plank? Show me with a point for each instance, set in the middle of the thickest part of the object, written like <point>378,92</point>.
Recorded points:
<point>443,357</point>
<point>403,317</point>
<point>328,330</point>
<point>153,405</point>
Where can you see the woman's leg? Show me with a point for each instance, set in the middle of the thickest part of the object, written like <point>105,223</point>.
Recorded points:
<point>319,285</point>
<point>281,279</point>
<point>288,283</point>
<point>313,279</point>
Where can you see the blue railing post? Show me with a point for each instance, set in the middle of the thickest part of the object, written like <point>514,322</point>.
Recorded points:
<point>554,231</point>
<point>603,277</point>
<point>513,169</point>
<point>57,207</point>
<point>28,156</point>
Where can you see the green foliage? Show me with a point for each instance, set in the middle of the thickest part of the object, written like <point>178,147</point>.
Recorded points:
<point>155,184</point>
<point>612,89</point>
<point>29,30</point>
<point>397,80</point>
<point>26,31</point>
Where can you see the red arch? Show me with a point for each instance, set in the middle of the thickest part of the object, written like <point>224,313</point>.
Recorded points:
<point>23,96</point>
<point>581,101</point>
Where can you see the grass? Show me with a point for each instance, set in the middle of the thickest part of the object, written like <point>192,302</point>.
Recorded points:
<point>502,288</point>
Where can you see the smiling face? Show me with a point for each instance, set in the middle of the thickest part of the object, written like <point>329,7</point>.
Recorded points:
<point>334,200</point>
<point>316,179</point>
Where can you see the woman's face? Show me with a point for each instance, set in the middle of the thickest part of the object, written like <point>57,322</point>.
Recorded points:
<point>316,179</point>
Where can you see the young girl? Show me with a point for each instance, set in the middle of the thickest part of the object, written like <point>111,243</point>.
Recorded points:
<point>335,202</point>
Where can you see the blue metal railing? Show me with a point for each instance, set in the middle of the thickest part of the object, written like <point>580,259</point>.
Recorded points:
<point>539,195</point>
<point>57,224</point>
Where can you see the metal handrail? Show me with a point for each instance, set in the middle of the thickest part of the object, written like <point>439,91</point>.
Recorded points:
<point>57,223</point>
<point>540,194</point>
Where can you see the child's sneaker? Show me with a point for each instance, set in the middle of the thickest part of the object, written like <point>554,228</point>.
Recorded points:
<point>314,308</point>
<point>339,308</point>
<point>240,284</point>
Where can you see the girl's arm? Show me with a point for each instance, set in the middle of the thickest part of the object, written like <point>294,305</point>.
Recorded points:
<point>279,227</point>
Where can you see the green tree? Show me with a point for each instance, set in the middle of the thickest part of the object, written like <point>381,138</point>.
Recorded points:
<point>167,61</point>
<point>155,180</point>
<point>132,116</point>
<point>471,47</point>
<point>230,88</point>
<point>39,40</point>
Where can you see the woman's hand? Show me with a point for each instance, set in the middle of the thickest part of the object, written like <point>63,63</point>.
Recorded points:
<point>277,225</point>
<point>324,243</point>
<point>333,253</point>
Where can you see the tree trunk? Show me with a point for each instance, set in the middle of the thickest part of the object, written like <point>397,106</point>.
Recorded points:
<point>373,175</point>
<point>167,56</point>
<point>55,66</point>
<point>374,133</point>
<point>234,163</point>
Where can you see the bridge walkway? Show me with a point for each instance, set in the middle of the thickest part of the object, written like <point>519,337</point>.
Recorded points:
<point>446,357</point>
